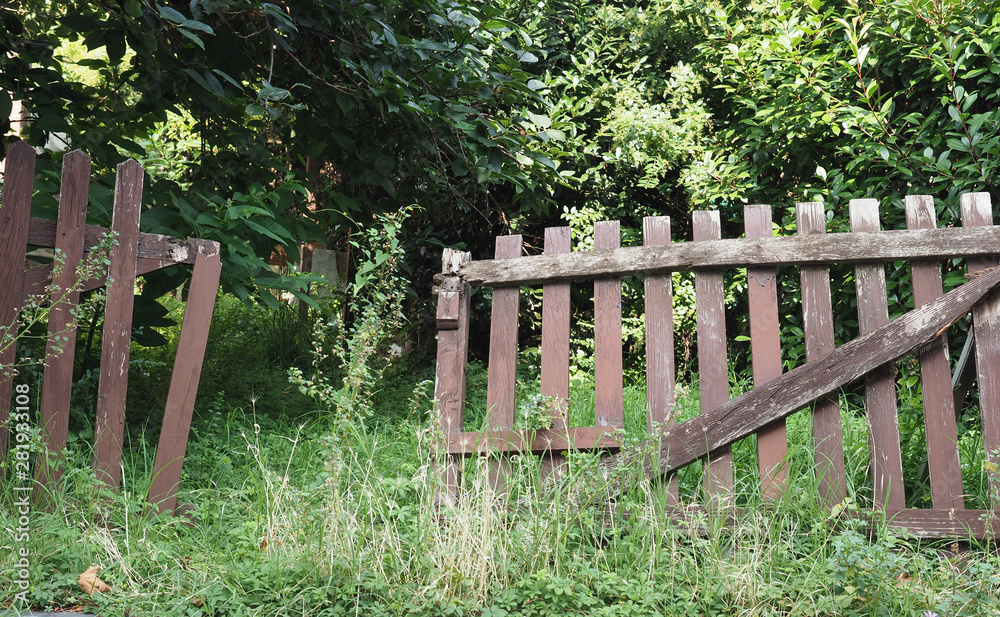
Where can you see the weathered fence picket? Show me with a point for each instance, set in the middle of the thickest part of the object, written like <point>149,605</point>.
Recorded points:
<point>776,394</point>
<point>133,254</point>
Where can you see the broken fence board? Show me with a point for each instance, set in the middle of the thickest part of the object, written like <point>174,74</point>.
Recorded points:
<point>736,253</point>
<point>798,388</point>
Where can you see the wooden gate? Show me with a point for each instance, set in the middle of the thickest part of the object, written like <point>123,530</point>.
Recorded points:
<point>133,254</point>
<point>776,394</point>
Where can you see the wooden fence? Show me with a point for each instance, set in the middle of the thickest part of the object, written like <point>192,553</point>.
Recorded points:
<point>775,394</point>
<point>134,254</point>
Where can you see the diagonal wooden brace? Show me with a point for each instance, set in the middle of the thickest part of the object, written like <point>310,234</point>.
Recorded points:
<point>792,391</point>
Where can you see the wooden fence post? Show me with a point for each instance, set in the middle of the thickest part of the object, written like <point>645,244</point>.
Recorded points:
<point>765,346</point>
<point>555,347</point>
<point>60,352</point>
<point>109,428</point>
<point>15,211</point>
<point>935,374</point>
<point>609,404</point>
<point>880,384</point>
<point>452,358</point>
<point>977,211</point>
<point>817,317</point>
<point>502,376</point>
<point>660,382</point>
<point>184,380</point>
<point>713,364</point>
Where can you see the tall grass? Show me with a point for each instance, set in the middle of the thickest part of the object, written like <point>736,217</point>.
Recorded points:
<point>289,521</point>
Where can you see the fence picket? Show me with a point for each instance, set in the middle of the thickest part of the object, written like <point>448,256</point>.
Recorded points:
<point>935,373</point>
<point>109,427</point>
<point>977,211</point>
<point>817,317</point>
<point>502,372</point>
<point>555,345</point>
<point>609,404</point>
<point>713,365</point>
<point>880,384</point>
<point>765,346</point>
<point>57,381</point>
<point>15,210</point>
<point>184,380</point>
<point>659,306</point>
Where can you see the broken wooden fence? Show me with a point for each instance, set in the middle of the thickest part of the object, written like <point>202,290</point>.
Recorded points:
<point>775,394</point>
<point>134,254</point>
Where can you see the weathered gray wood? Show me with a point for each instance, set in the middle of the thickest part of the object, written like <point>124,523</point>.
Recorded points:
<point>935,373</point>
<point>502,372</point>
<point>452,357</point>
<point>42,232</point>
<point>109,427</point>
<point>930,524</point>
<point>660,381</point>
<point>742,416</point>
<point>713,365</point>
<point>609,403</point>
<point>736,253</point>
<point>817,317</point>
<point>15,209</point>
<point>765,349</point>
<point>57,381</point>
<point>555,347</point>
<point>880,384</point>
<point>541,441</point>
<point>184,380</point>
<point>977,211</point>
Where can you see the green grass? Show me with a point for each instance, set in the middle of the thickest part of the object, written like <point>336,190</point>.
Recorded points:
<point>290,519</point>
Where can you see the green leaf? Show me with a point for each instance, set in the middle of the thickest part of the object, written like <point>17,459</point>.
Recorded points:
<point>191,35</point>
<point>133,8</point>
<point>171,14</point>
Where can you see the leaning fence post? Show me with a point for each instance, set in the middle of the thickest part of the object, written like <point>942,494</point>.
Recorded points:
<point>452,355</point>
<point>184,380</point>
